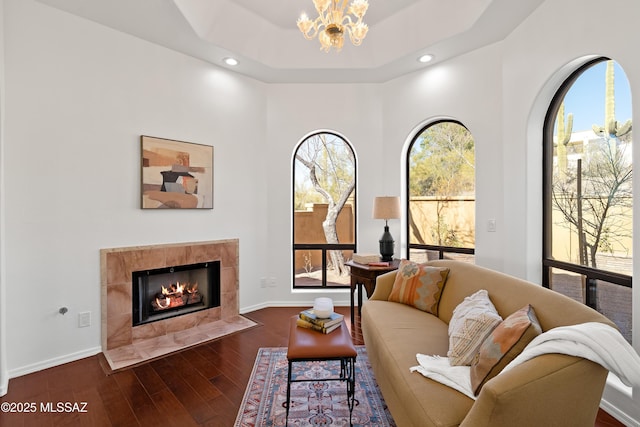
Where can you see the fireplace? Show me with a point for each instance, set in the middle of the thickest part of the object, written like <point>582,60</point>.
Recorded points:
<point>173,291</point>
<point>124,344</point>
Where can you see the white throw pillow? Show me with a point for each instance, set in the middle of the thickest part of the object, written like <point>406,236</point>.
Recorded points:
<point>473,320</point>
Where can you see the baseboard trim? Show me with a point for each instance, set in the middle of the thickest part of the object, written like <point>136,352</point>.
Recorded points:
<point>50,363</point>
<point>618,414</point>
<point>301,303</point>
<point>4,383</point>
<point>72,357</point>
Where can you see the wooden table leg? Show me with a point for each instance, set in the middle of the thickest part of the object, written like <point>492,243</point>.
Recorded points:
<point>359,299</point>
<point>353,288</point>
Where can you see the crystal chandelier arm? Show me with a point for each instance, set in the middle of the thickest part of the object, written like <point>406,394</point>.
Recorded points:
<point>321,5</point>
<point>335,17</point>
<point>308,27</point>
<point>358,8</point>
<point>357,33</point>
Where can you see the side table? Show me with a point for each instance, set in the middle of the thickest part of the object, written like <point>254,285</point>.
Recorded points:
<point>363,274</point>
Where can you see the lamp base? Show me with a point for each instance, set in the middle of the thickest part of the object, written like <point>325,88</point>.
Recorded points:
<point>386,245</point>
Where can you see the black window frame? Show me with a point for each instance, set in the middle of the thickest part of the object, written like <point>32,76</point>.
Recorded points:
<point>441,250</point>
<point>323,247</point>
<point>592,275</point>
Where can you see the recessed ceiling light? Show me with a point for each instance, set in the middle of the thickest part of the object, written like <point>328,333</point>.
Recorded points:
<point>230,61</point>
<point>425,58</point>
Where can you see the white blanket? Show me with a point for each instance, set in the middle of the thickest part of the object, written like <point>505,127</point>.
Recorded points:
<point>439,369</point>
<point>594,341</point>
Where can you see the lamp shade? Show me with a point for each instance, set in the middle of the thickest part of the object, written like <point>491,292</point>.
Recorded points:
<point>387,207</point>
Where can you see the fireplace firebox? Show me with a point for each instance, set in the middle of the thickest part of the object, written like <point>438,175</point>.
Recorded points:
<point>173,291</point>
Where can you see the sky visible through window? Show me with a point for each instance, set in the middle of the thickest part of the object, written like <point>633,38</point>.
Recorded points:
<point>585,99</point>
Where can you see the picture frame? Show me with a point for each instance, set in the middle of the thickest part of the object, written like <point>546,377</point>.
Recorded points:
<point>175,174</point>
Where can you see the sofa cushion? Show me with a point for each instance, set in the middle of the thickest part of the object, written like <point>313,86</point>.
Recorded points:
<point>419,285</point>
<point>472,321</point>
<point>506,341</point>
<point>395,333</point>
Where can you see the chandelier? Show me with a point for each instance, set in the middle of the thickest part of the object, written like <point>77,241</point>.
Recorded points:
<point>333,22</point>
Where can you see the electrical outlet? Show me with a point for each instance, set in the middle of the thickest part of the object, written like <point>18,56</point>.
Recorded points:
<point>491,225</point>
<point>84,319</point>
<point>263,282</point>
<point>272,282</point>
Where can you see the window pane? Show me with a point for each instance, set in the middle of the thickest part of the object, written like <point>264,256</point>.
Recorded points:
<point>324,180</point>
<point>441,168</point>
<point>308,268</point>
<point>335,279</point>
<point>591,201</point>
<point>568,283</point>
<point>614,301</point>
<point>309,224</point>
<point>424,255</point>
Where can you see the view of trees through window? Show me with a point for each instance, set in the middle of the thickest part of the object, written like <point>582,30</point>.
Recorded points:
<point>324,183</point>
<point>589,193</point>
<point>441,192</point>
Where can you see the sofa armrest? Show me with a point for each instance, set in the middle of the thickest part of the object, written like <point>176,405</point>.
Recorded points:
<point>384,284</point>
<point>552,389</point>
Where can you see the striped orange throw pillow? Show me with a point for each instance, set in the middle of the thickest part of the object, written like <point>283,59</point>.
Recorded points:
<point>419,285</point>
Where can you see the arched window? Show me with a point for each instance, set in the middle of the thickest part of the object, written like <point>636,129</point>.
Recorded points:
<point>588,191</point>
<point>324,211</point>
<point>441,192</point>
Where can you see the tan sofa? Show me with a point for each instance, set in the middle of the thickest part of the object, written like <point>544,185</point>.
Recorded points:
<point>549,390</point>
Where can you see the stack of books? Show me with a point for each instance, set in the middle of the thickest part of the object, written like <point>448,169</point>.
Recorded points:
<point>379,264</point>
<point>308,319</point>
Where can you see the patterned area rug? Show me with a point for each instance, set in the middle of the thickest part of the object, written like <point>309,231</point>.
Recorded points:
<point>313,403</point>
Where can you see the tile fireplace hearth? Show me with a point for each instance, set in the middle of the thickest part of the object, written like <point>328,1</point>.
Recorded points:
<point>124,344</point>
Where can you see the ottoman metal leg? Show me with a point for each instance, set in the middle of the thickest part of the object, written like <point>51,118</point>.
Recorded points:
<point>286,404</point>
<point>349,374</point>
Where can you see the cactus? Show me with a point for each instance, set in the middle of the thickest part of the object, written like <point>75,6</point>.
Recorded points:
<point>563,137</point>
<point>612,129</point>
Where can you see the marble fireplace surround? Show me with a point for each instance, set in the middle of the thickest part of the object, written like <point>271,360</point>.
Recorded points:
<point>124,344</point>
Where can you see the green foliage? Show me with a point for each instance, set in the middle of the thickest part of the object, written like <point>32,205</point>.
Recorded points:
<point>442,162</point>
<point>443,235</point>
<point>325,169</point>
<point>611,128</point>
<point>442,168</point>
<point>563,136</point>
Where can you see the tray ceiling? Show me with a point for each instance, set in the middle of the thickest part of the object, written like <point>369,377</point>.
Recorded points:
<point>264,37</point>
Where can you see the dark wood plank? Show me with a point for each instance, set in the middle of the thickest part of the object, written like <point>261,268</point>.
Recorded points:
<point>115,404</point>
<point>96,414</point>
<point>149,379</point>
<point>178,416</point>
<point>198,408</point>
<point>200,386</point>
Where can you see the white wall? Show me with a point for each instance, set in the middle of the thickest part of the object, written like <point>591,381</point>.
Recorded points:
<point>4,375</point>
<point>541,53</point>
<point>353,111</point>
<point>78,97</point>
<point>467,89</point>
<point>501,93</point>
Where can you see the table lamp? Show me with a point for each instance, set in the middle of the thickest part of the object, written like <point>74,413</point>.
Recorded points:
<point>387,207</point>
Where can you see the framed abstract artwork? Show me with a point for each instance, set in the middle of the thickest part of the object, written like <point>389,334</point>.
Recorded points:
<point>176,174</point>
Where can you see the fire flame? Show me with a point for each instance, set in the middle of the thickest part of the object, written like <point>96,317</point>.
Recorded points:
<point>173,289</point>
<point>170,295</point>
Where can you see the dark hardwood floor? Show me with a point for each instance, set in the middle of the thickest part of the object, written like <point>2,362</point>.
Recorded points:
<point>200,386</point>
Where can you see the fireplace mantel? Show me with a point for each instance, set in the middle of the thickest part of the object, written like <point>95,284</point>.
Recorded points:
<point>122,343</point>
